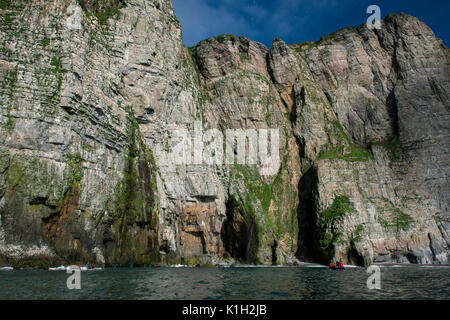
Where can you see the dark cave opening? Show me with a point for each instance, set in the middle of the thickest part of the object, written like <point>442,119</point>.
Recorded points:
<point>306,216</point>
<point>239,233</point>
<point>274,252</point>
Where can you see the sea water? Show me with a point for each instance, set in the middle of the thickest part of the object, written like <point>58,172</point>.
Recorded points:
<point>299,283</point>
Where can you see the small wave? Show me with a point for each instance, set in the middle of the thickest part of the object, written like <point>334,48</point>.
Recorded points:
<point>252,266</point>
<point>350,266</point>
<point>412,265</point>
<point>60,268</point>
<point>314,266</point>
<point>6,268</point>
<point>434,266</point>
<point>64,268</point>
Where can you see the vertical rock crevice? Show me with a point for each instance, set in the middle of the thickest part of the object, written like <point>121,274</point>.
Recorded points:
<point>391,104</point>
<point>239,233</point>
<point>307,215</point>
<point>134,224</point>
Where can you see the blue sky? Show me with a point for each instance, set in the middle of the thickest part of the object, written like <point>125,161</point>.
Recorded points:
<point>295,21</point>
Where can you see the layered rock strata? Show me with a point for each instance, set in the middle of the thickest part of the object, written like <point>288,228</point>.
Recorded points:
<point>92,93</point>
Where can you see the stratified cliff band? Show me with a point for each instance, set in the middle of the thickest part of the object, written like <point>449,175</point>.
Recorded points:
<point>91,91</point>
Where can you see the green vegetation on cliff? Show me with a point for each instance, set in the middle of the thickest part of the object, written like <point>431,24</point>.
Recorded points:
<point>135,209</point>
<point>396,150</point>
<point>272,205</point>
<point>227,37</point>
<point>76,172</point>
<point>4,4</point>
<point>103,9</point>
<point>8,85</point>
<point>398,221</point>
<point>345,150</point>
<point>340,207</point>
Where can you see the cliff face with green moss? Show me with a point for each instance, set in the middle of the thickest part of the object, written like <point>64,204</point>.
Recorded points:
<point>91,90</point>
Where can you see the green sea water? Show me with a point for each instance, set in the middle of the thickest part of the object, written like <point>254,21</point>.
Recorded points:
<point>246,283</point>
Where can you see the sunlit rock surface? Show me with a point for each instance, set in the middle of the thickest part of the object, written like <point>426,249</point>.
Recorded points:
<point>92,92</point>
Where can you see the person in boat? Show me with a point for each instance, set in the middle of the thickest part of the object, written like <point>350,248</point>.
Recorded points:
<point>337,266</point>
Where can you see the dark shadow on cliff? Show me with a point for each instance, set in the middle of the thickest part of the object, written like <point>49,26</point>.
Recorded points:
<point>391,104</point>
<point>239,233</point>
<point>306,216</point>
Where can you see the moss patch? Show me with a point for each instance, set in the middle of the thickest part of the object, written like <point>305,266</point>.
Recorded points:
<point>271,204</point>
<point>345,150</point>
<point>340,206</point>
<point>8,86</point>
<point>357,235</point>
<point>4,4</point>
<point>135,210</point>
<point>326,238</point>
<point>398,221</point>
<point>103,9</point>
<point>396,150</point>
<point>244,57</point>
<point>227,37</point>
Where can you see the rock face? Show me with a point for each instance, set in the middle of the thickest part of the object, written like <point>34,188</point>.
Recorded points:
<point>93,93</point>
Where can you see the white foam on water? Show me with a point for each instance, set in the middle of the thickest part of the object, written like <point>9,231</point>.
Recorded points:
<point>64,268</point>
<point>434,266</point>
<point>60,268</point>
<point>314,266</point>
<point>254,266</point>
<point>6,268</point>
